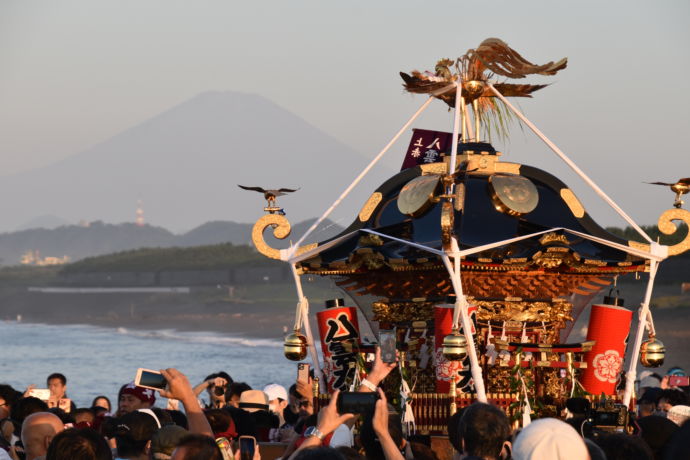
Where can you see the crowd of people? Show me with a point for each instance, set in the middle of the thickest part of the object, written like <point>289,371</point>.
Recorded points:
<point>35,425</point>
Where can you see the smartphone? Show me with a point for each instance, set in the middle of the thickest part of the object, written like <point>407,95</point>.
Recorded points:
<point>148,378</point>
<point>356,402</point>
<point>247,447</point>
<point>41,393</point>
<point>388,345</point>
<point>679,381</point>
<point>303,372</point>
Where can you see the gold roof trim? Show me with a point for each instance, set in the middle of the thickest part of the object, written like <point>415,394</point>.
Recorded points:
<point>370,206</point>
<point>573,203</point>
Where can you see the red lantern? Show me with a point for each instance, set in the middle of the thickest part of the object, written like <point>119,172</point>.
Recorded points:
<point>609,326</point>
<point>339,331</point>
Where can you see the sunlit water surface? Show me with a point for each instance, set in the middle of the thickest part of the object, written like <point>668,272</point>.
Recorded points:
<point>99,360</point>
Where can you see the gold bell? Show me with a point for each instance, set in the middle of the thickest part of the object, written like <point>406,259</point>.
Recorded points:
<point>652,352</point>
<point>454,347</point>
<point>474,88</point>
<point>295,346</point>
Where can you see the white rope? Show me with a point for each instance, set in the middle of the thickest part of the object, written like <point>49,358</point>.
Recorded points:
<point>303,317</point>
<point>572,165</point>
<point>461,304</point>
<point>642,313</point>
<point>347,191</point>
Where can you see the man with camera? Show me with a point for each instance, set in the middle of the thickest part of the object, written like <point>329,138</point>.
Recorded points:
<point>216,385</point>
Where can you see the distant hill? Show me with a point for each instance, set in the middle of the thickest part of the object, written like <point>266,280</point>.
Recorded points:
<point>46,221</point>
<point>100,238</point>
<point>185,164</point>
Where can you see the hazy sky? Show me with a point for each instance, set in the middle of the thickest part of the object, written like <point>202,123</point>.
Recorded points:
<point>75,72</point>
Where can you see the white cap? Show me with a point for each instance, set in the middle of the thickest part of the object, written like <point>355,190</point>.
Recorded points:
<point>275,391</point>
<point>678,414</point>
<point>549,438</point>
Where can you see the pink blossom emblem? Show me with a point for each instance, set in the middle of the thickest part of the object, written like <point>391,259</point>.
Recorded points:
<point>607,366</point>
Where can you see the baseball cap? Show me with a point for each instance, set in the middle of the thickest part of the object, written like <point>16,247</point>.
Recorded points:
<point>139,426</point>
<point>275,391</point>
<point>144,394</point>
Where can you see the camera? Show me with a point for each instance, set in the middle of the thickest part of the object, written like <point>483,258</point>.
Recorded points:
<point>218,390</point>
<point>606,415</point>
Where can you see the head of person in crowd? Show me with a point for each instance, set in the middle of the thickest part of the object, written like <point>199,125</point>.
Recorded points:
<point>8,396</point>
<point>620,446</point>
<point>233,394</point>
<point>291,414</point>
<point>483,431</point>
<point>164,441</point>
<point>79,444</point>
<point>649,379</point>
<point>38,430</point>
<point>196,446</point>
<point>349,453</point>
<point>321,453</point>
<point>671,397</point>
<point>84,417</point>
<point>66,417</point>
<point>57,384</point>
<point>549,438</point>
<point>647,404</point>
<point>24,407</point>
<point>576,407</point>
<point>656,432</point>
<point>277,400</point>
<point>299,406</point>
<point>217,388</point>
<point>222,424</point>
<point>133,433</point>
<point>179,418</point>
<point>102,401</point>
<point>256,403</point>
<point>133,397</point>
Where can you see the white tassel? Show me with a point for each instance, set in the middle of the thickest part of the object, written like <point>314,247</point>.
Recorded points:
<point>524,338</point>
<point>504,337</point>
<point>491,348</point>
<point>526,418</point>
<point>408,416</point>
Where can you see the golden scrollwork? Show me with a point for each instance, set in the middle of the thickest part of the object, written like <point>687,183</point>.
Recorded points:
<point>281,230</point>
<point>550,312</point>
<point>573,203</point>
<point>552,237</point>
<point>370,206</point>
<point>668,227</point>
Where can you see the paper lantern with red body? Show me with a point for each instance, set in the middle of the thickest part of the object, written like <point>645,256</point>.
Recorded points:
<point>609,326</point>
<point>445,369</point>
<point>339,331</point>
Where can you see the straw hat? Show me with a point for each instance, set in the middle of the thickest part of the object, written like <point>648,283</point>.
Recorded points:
<point>253,400</point>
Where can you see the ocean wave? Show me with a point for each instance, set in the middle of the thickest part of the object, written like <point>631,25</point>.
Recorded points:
<point>199,337</point>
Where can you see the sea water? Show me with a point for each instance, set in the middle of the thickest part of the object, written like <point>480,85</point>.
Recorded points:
<point>98,361</point>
